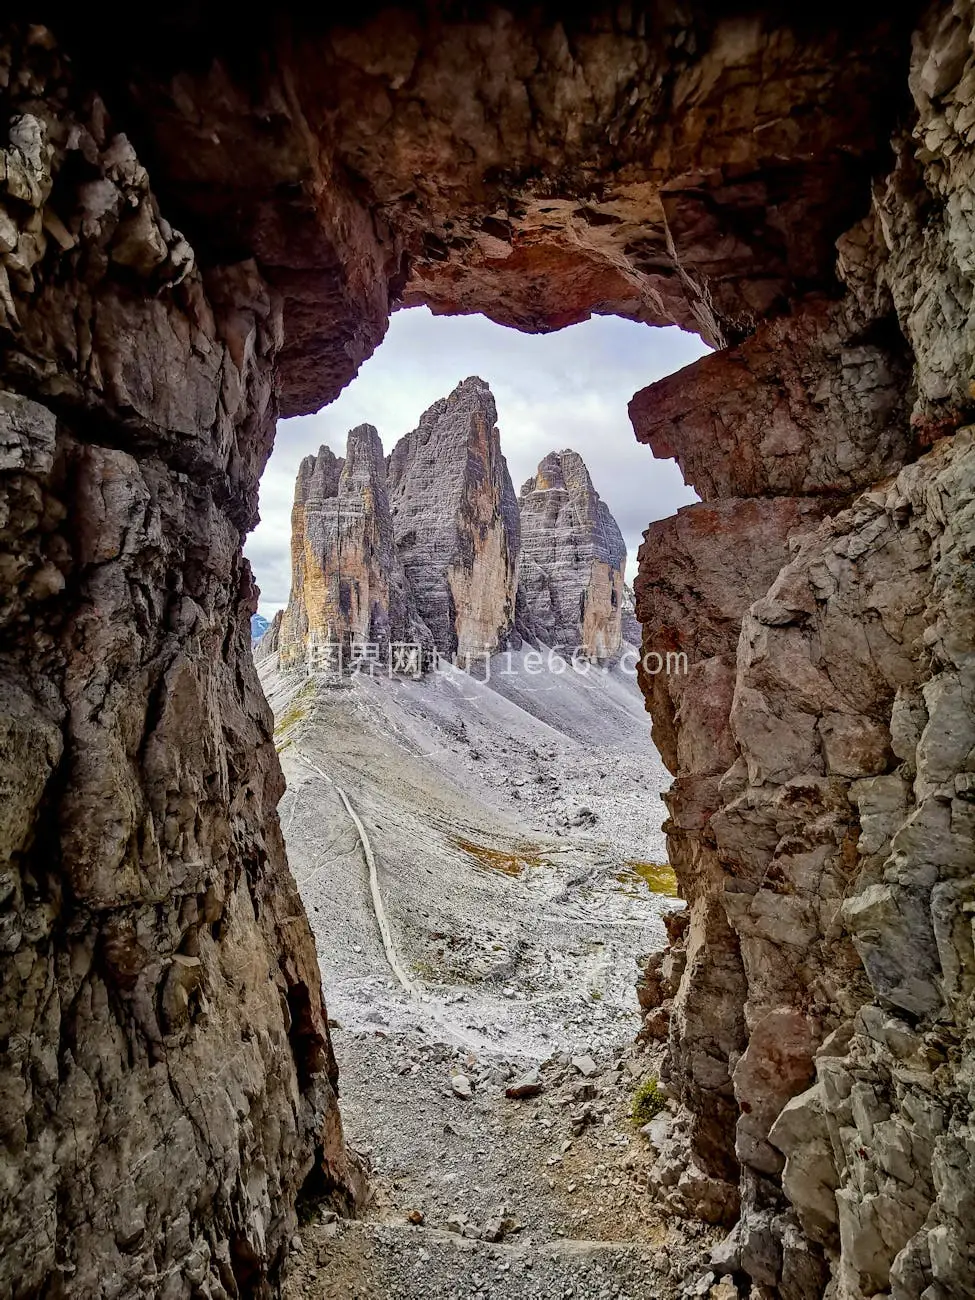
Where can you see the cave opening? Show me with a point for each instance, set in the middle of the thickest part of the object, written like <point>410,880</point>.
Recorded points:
<point>478,847</point>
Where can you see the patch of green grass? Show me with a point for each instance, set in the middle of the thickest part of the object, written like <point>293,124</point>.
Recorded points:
<point>648,1101</point>
<point>295,711</point>
<point>658,876</point>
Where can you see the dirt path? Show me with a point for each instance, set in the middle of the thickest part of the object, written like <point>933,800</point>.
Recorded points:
<point>379,909</point>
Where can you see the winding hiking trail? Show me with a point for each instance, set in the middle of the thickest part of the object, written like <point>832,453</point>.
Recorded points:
<point>382,921</point>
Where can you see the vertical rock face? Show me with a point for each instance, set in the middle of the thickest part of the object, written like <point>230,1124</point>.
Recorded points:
<point>572,560</point>
<point>699,572</point>
<point>822,744</point>
<point>455,520</point>
<point>347,582</point>
<point>168,1083</point>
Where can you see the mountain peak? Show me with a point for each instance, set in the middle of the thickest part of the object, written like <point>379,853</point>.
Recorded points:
<point>431,544</point>
<point>572,561</point>
<point>455,519</point>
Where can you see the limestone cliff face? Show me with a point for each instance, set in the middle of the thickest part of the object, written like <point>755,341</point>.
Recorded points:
<point>168,1082</point>
<point>822,743</point>
<point>572,560</point>
<point>270,641</point>
<point>347,582</point>
<point>460,539</point>
<point>455,520</point>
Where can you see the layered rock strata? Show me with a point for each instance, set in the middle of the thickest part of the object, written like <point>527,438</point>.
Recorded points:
<point>451,544</point>
<point>572,560</point>
<point>820,818</point>
<point>347,582</point>
<point>168,1084</point>
<point>455,521</point>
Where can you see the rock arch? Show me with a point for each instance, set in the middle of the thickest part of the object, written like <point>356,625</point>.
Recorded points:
<point>797,189</point>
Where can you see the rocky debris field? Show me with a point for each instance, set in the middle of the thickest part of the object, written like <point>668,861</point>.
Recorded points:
<point>507,849</point>
<point>495,1094</point>
<point>477,1194</point>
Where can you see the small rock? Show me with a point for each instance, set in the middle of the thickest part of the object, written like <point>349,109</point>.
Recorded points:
<point>658,1130</point>
<point>529,1085</point>
<point>586,1066</point>
<point>415,1216</point>
<point>583,817</point>
<point>493,1229</point>
<point>461,1085</point>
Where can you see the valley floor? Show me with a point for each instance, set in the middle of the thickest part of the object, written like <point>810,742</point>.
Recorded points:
<point>476,858</point>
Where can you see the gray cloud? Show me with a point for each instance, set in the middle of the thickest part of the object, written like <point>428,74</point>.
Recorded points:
<point>553,391</point>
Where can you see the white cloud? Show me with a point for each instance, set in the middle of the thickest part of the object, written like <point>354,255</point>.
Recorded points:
<point>553,391</point>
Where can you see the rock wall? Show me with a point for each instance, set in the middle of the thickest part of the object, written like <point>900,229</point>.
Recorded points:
<point>347,581</point>
<point>731,173</point>
<point>820,820</point>
<point>572,560</point>
<point>168,1084</point>
<point>455,520</point>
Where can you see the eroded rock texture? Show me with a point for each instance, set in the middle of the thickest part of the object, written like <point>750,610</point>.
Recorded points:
<point>168,1078</point>
<point>455,520</point>
<point>549,566</point>
<point>168,1083</point>
<point>347,580</point>
<point>570,586</point>
<point>822,743</point>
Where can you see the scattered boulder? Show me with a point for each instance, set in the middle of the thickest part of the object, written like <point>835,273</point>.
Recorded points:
<point>586,1066</point>
<point>583,817</point>
<point>529,1085</point>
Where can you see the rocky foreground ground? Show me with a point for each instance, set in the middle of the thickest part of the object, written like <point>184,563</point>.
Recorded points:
<point>515,914</point>
<point>487,1196</point>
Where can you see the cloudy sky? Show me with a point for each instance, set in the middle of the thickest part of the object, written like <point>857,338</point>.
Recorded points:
<point>552,391</point>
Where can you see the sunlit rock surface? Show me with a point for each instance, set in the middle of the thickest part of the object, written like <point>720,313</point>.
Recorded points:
<point>347,582</point>
<point>455,521</point>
